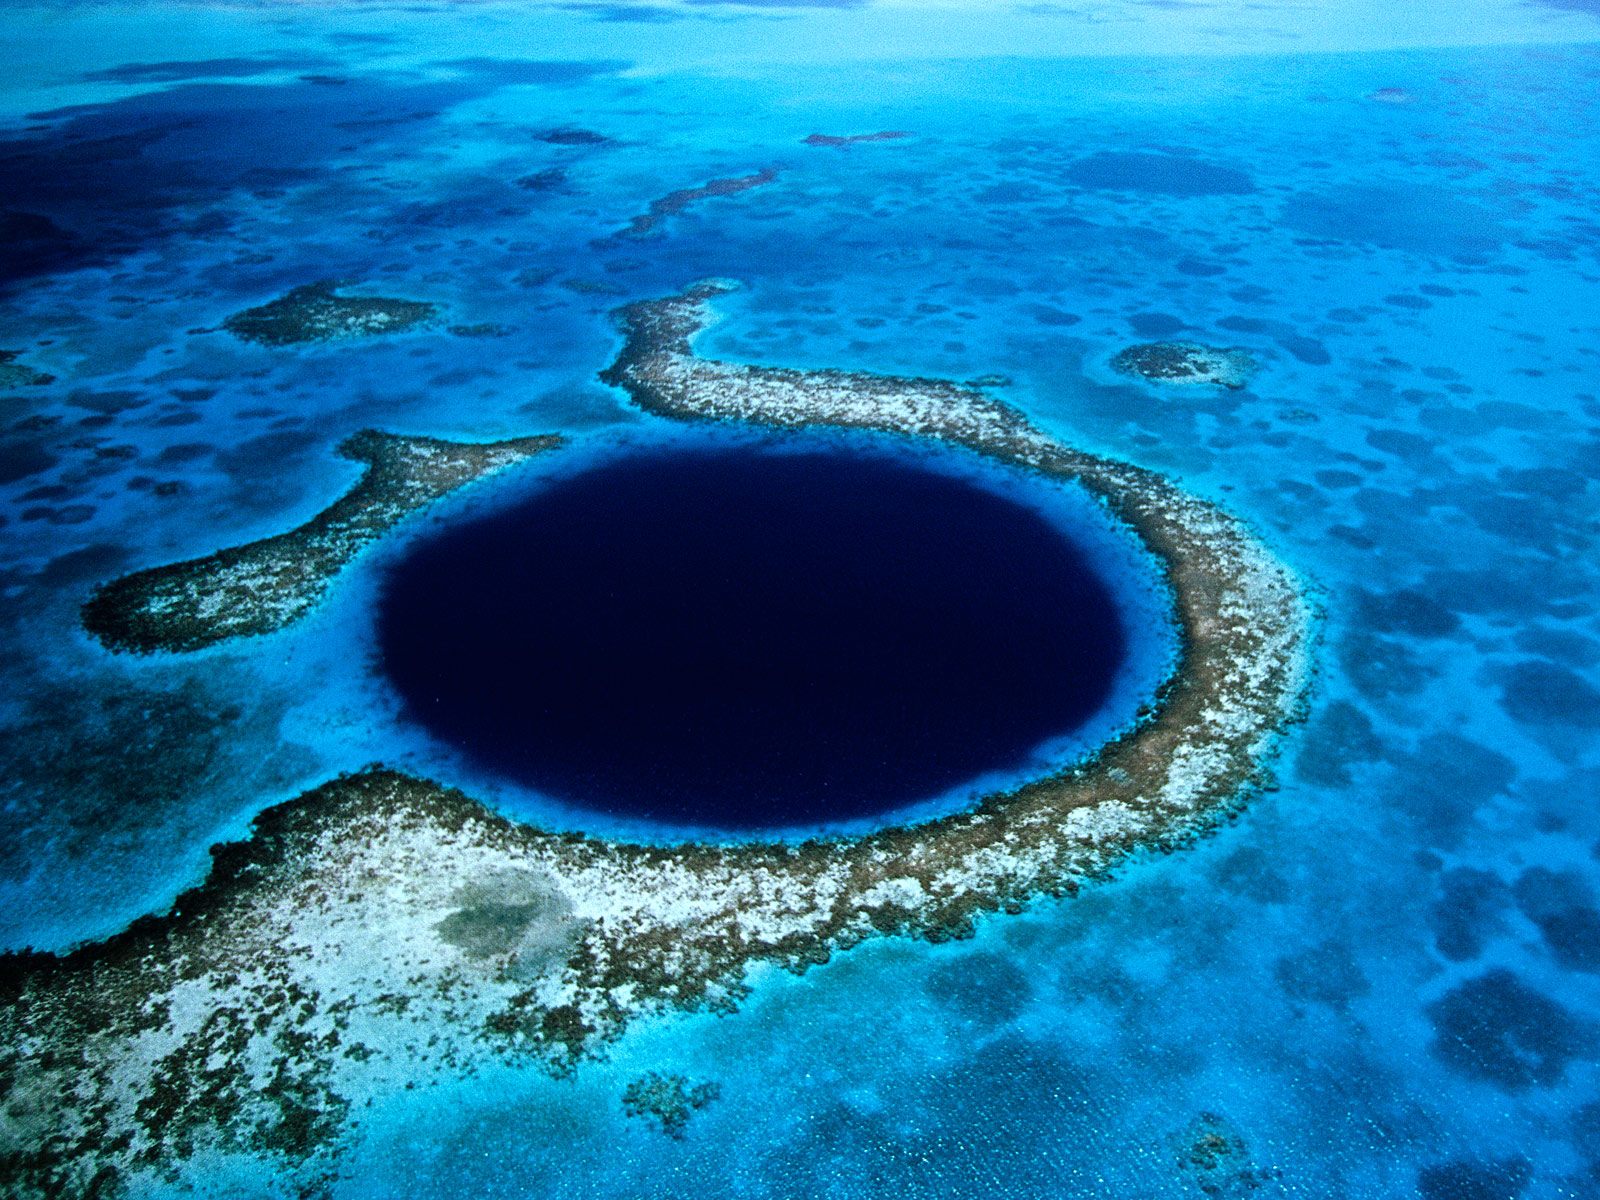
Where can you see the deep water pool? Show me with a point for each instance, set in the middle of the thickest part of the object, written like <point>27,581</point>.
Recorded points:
<point>739,634</point>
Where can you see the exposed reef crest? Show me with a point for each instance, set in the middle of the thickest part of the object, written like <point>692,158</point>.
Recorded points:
<point>262,586</point>
<point>384,926</point>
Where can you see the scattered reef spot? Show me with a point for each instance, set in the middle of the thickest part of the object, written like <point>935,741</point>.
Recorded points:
<point>315,312</point>
<point>675,202</point>
<point>1447,781</point>
<point>983,987</point>
<point>1336,739</point>
<point>569,135</point>
<point>1469,910</point>
<point>667,1101</point>
<point>1537,691</point>
<point>1326,973</point>
<point>1417,218</point>
<point>1156,324</point>
<point>263,586</point>
<point>1185,363</point>
<point>1214,1156</point>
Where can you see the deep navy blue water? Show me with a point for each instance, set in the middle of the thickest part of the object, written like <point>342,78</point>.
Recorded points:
<point>742,639</point>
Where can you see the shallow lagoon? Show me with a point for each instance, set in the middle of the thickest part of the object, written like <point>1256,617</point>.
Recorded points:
<point>1382,978</point>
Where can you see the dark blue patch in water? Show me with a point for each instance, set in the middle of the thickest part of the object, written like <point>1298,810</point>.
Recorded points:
<point>744,638</point>
<point>1165,174</point>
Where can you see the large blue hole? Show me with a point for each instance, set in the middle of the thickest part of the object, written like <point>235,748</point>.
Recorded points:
<point>751,636</point>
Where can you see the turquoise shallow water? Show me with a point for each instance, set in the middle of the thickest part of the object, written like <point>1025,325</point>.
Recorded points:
<point>1382,979</point>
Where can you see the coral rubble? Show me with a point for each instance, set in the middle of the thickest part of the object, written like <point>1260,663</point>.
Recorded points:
<point>669,1100</point>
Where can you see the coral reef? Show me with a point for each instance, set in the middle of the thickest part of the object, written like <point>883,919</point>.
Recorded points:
<point>668,1100</point>
<point>1186,363</point>
<point>1211,1152</point>
<point>675,202</point>
<point>263,586</point>
<point>315,312</point>
<point>383,926</point>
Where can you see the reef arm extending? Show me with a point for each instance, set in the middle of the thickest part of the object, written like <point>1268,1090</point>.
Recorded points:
<point>262,586</point>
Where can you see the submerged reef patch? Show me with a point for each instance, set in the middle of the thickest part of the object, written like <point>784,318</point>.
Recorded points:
<point>667,1100</point>
<point>315,312</point>
<point>378,927</point>
<point>675,202</point>
<point>1185,363</point>
<point>262,586</point>
<point>14,374</point>
<point>850,139</point>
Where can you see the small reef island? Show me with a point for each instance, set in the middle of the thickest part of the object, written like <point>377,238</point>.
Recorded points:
<point>1186,363</point>
<point>383,928</point>
<point>316,312</point>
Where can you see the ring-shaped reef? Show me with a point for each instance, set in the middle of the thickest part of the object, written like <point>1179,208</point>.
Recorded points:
<point>382,927</point>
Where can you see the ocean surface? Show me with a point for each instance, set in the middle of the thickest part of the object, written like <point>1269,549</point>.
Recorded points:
<point>1382,980</point>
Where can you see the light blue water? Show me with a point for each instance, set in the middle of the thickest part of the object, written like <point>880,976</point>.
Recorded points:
<point>1383,978</point>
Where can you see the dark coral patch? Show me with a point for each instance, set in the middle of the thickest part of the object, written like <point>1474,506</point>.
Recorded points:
<point>1562,905</point>
<point>315,312</point>
<point>667,1100</point>
<point>1185,363</point>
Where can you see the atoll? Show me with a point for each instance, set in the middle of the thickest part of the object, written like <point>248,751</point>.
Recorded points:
<point>315,312</point>
<point>14,374</point>
<point>1186,363</point>
<point>383,927</point>
<point>263,586</point>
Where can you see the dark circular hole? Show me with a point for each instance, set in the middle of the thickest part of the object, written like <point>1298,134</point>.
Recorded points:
<point>746,636</point>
